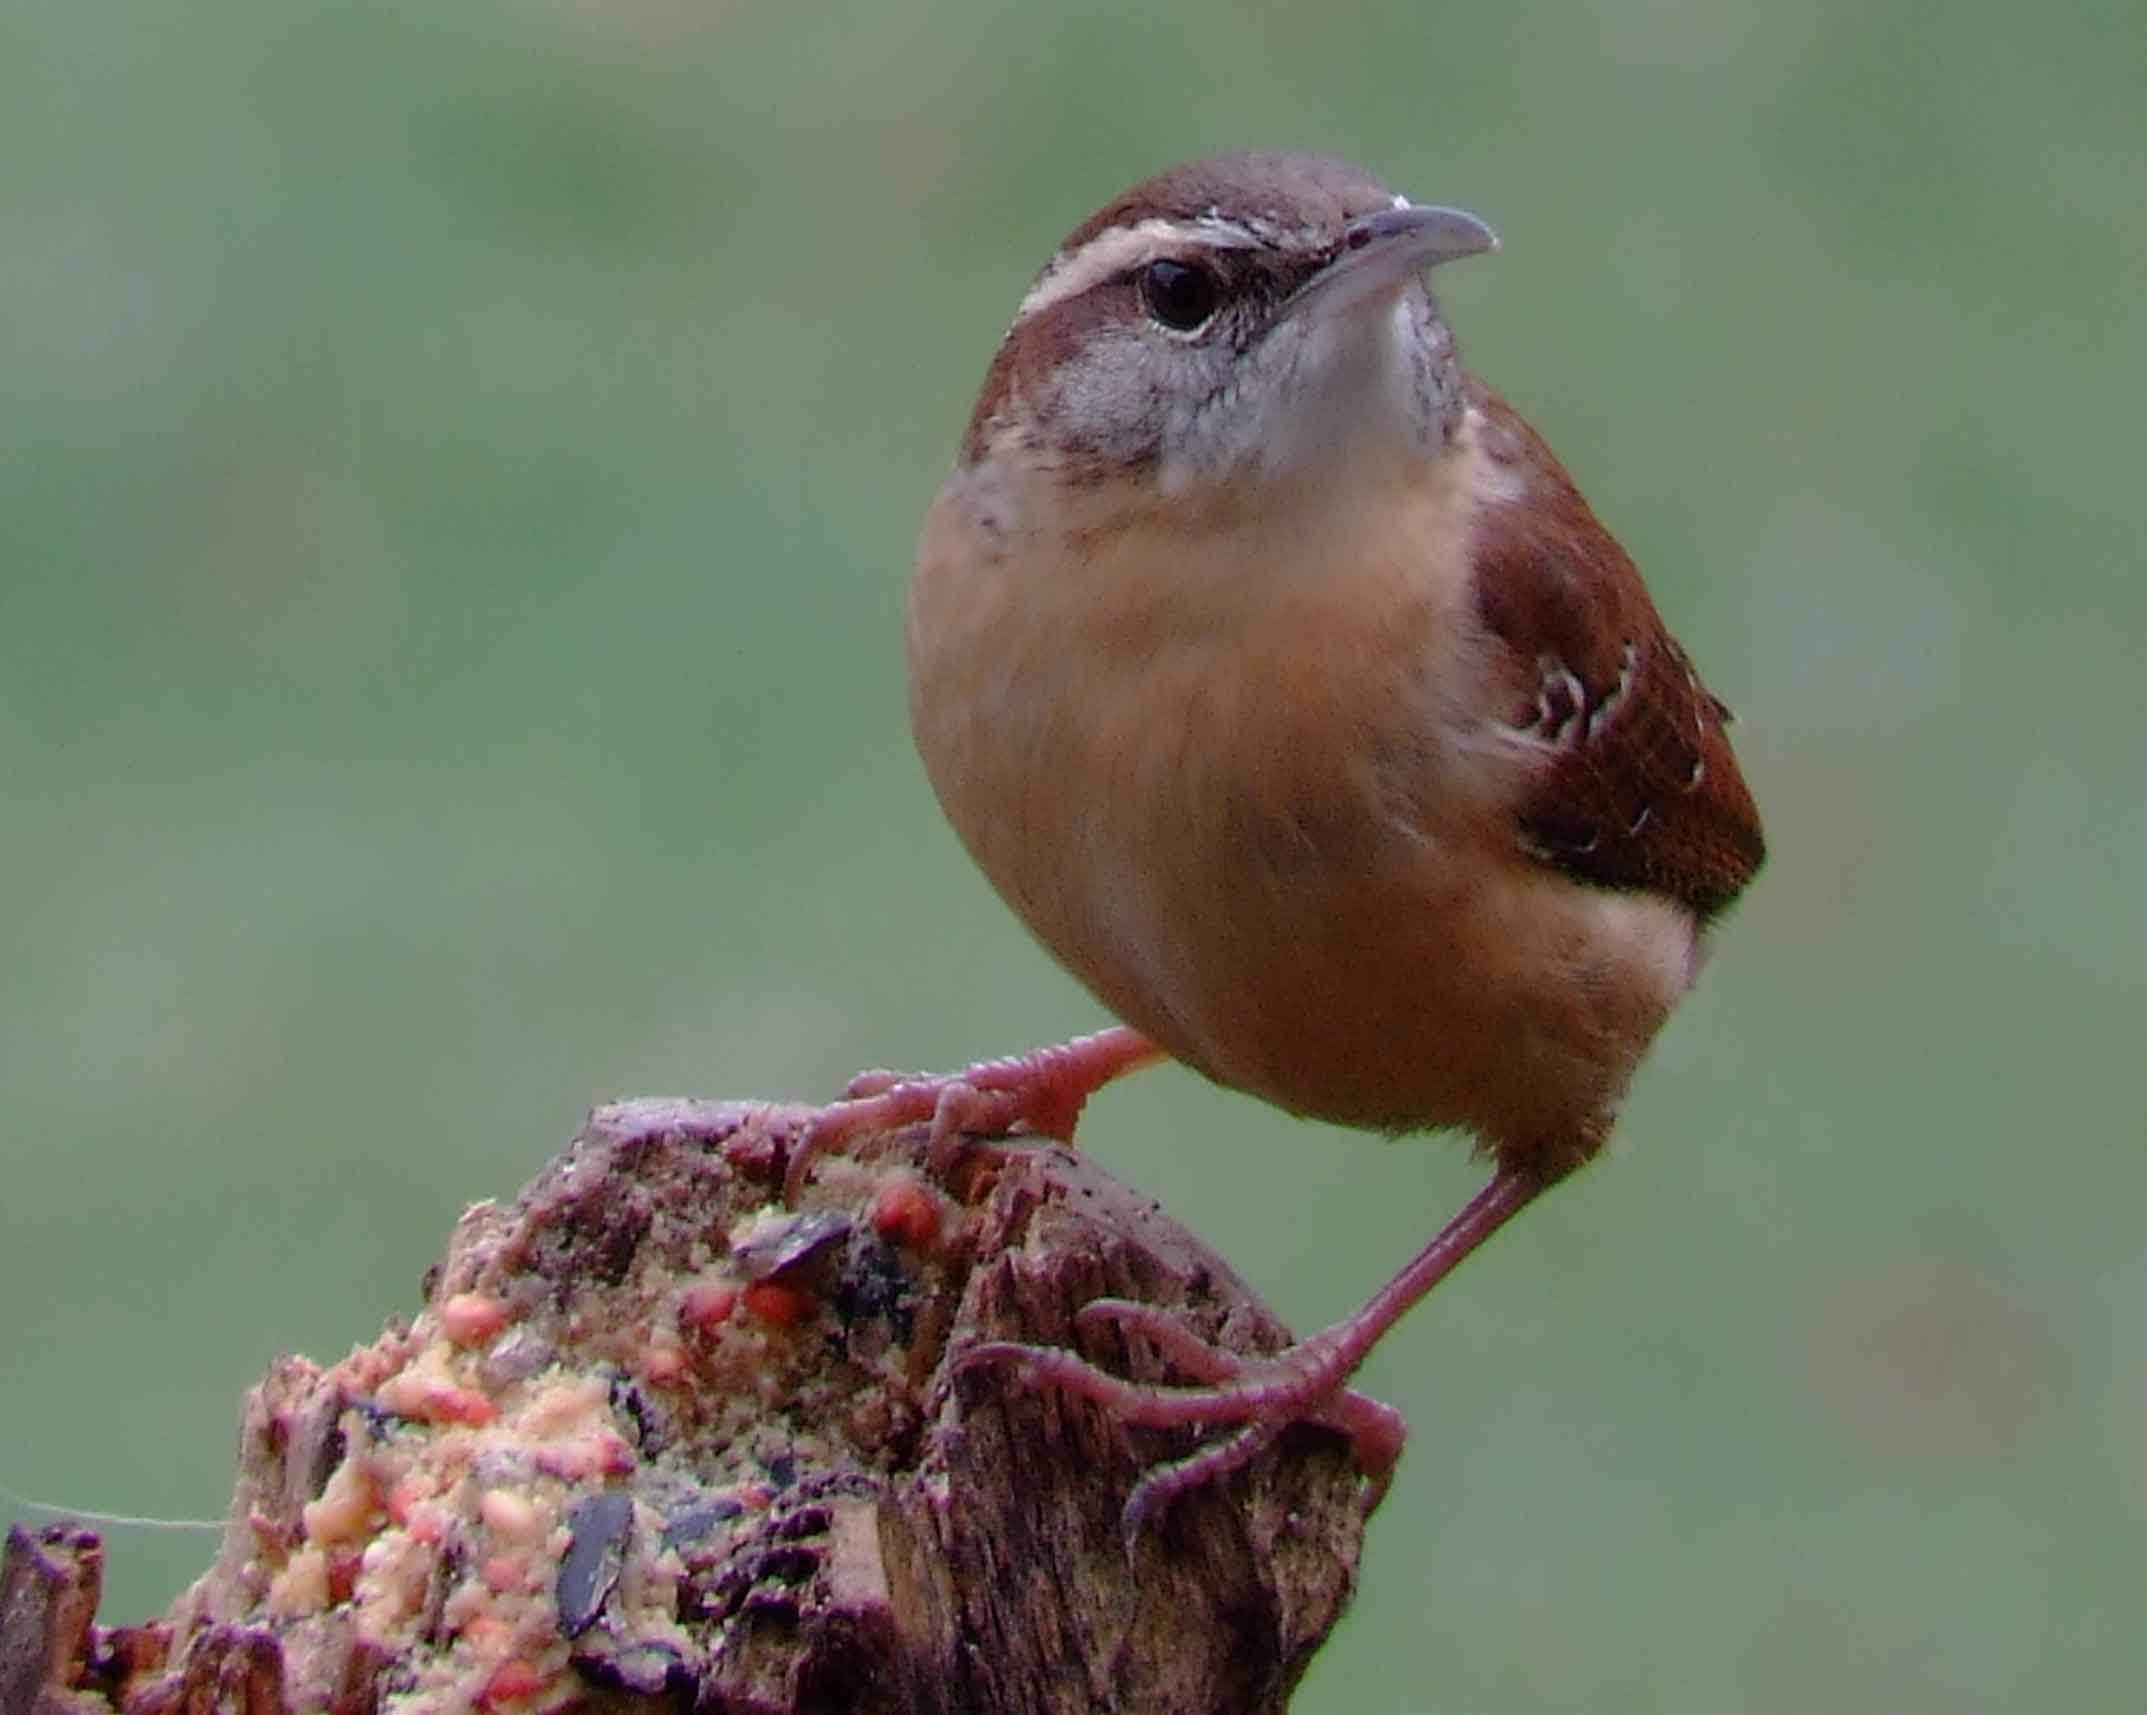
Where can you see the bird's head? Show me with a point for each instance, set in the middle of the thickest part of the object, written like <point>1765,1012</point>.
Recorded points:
<point>1250,316</point>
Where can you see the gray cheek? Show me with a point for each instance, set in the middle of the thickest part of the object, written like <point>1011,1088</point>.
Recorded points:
<point>1142,400</point>
<point>1112,405</point>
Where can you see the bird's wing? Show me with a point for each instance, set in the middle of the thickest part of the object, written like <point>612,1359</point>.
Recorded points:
<point>1641,789</point>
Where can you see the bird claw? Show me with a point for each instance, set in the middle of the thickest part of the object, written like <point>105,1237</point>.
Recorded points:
<point>961,1117</point>
<point>1038,1094</point>
<point>1260,1397</point>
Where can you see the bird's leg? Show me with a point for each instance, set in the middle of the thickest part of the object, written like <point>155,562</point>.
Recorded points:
<point>1040,1093</point>
<point>1376,1432</point>
<point>1263,1396</point>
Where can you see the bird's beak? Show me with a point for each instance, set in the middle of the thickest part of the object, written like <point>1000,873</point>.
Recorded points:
<point>1380,251</point>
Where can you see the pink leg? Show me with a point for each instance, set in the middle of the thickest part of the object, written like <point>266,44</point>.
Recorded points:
<point>1040,1093</point>
<point>1303,1384</point>
<point>1376,1431</point>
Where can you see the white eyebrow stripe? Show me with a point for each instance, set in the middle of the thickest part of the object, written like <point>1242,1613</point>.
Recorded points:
<point>1117,248</point>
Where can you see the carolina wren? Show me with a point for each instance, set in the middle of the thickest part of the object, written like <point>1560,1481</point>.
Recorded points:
<point>1279,678</point>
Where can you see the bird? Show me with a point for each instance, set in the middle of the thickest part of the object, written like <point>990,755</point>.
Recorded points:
<point>1276,674</point>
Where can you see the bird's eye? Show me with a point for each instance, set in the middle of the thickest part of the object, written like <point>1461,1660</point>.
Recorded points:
<point>1180,295</point>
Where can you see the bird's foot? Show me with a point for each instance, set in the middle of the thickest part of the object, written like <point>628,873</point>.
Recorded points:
<point>1038,1094</point>
<point>1255,1399</point>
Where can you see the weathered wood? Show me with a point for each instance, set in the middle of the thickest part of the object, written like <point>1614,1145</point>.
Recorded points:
<point>49,1586</point>
<point>657,1443</point>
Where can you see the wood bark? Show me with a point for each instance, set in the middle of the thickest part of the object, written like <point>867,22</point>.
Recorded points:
<point>658,1443</point>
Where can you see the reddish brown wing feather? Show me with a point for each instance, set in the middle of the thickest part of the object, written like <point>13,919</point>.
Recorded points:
<point>1642,790</point>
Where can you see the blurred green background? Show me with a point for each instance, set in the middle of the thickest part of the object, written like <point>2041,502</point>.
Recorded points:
<point>458,465</point>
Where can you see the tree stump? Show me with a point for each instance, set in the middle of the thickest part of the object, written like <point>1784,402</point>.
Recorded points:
<point>657,1442</point>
